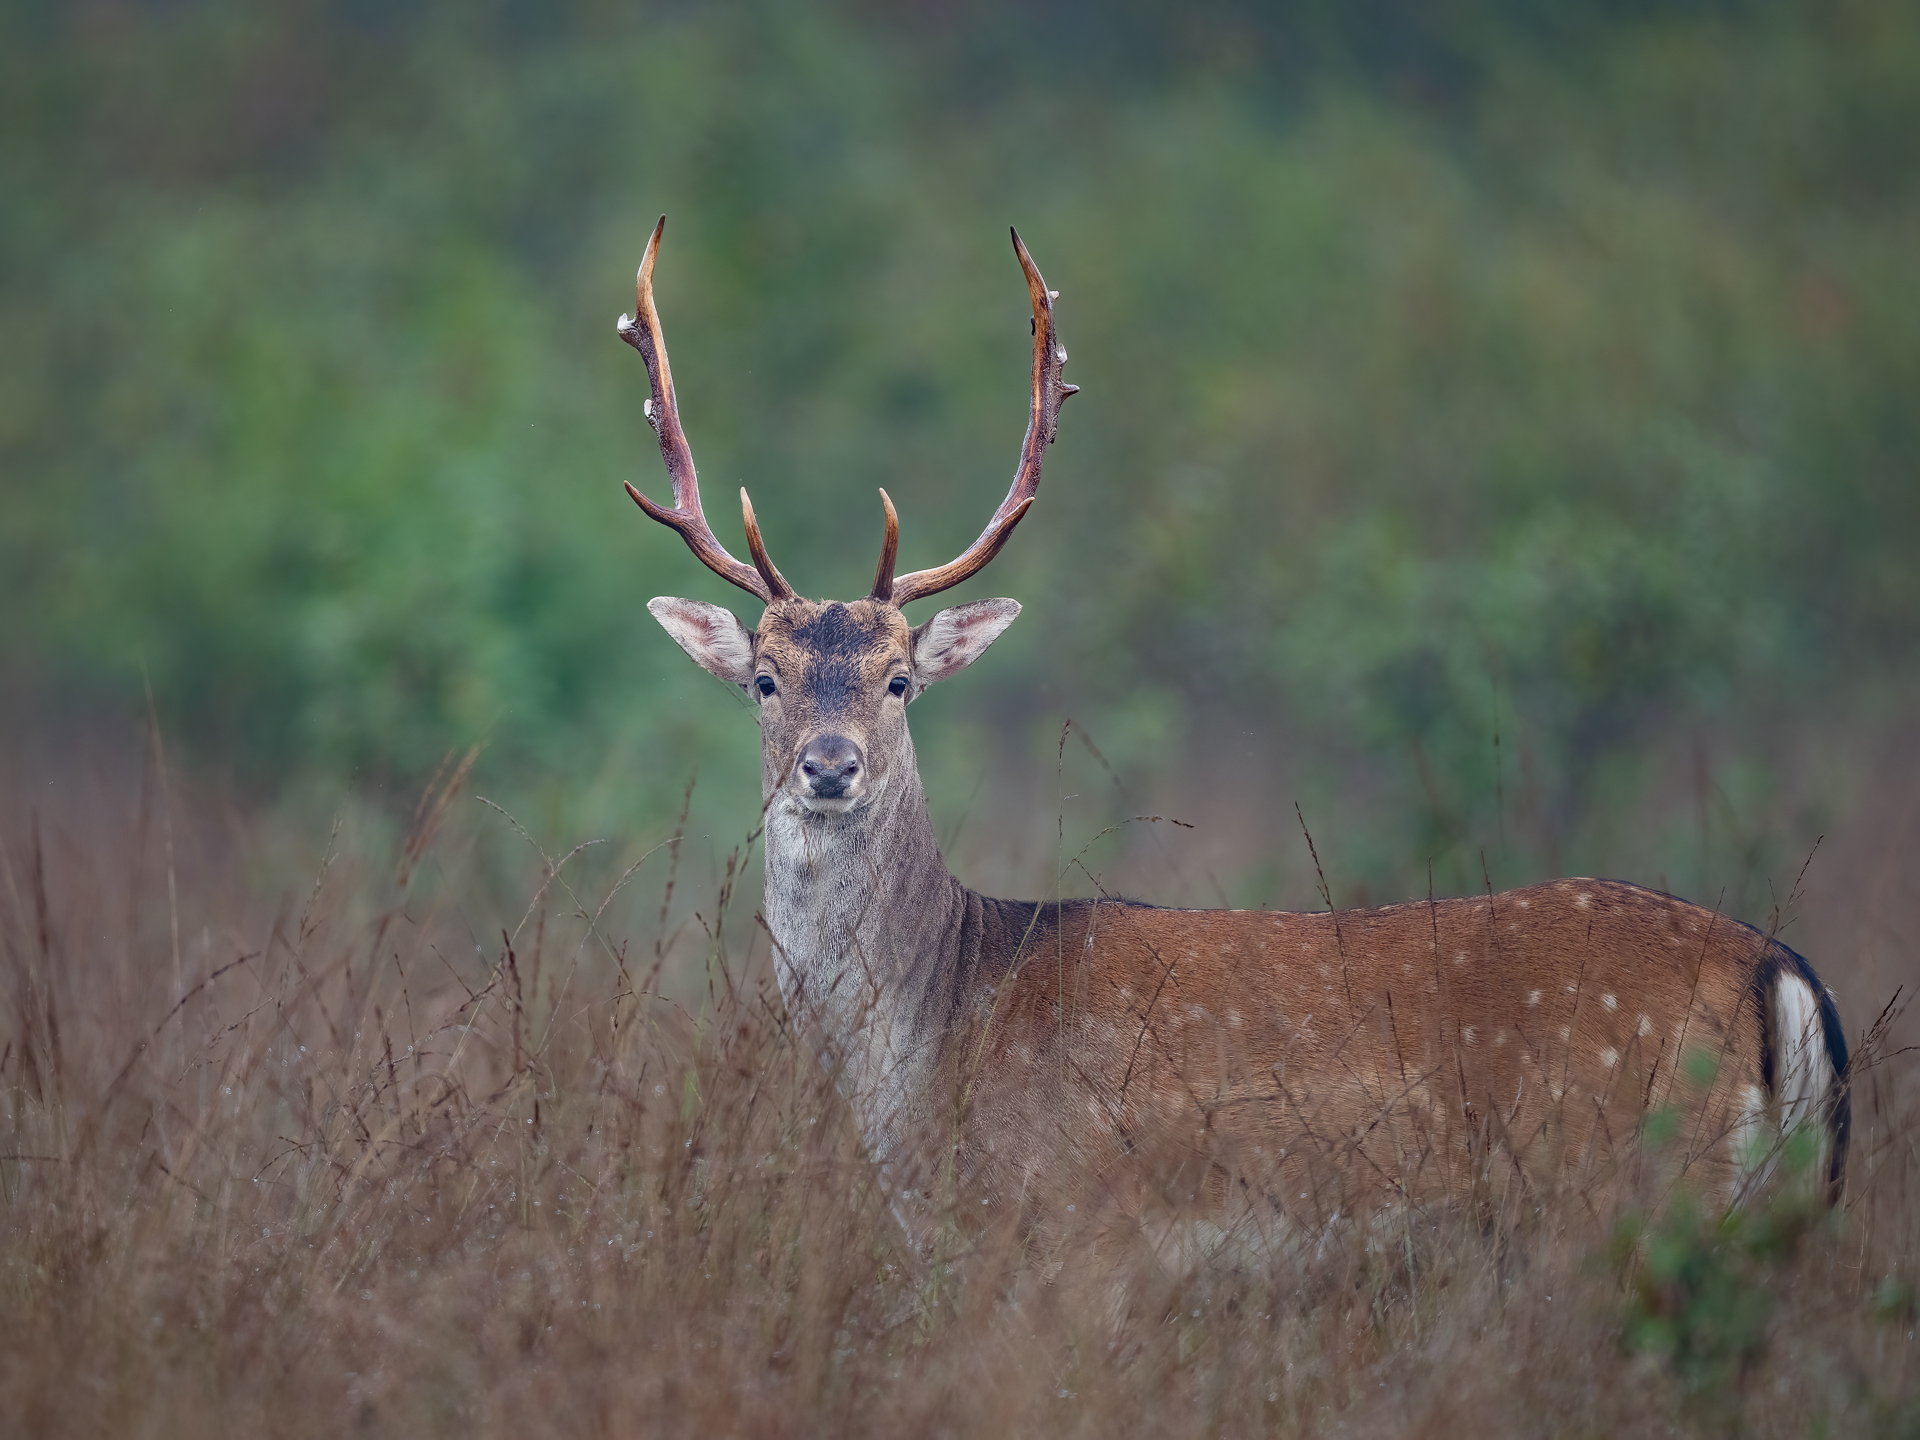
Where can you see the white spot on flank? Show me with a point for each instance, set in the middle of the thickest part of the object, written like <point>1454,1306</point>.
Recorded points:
<point>1609,1057</point>
<point>1646,1026</point>
<point>1609,1002</point>
<point>1500,1039</point>
<point>1565,1031</point>
<point>1583,900</point>
<point>1525,904</point>
<point>1533,997</point>
<point>1470,1033</point>
<point>1460,957</point>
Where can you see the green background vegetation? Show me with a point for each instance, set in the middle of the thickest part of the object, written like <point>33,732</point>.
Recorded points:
<point>1472,402</point>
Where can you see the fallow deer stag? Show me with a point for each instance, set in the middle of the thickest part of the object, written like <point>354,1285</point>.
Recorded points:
<point>1278,1068</point>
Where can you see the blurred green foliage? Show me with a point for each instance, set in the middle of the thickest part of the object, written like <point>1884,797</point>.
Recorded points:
<point>1444,378</point>
<point>1699,1284</point>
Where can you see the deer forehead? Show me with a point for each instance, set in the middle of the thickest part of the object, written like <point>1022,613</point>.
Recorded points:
<point>829,648</point>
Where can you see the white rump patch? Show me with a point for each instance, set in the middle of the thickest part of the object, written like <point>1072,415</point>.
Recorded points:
<point>1803,1071</point>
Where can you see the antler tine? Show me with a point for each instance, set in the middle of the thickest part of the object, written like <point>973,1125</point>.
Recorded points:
<point>889,551</point>
<point>1049,393</point>
<point>663,413</point>
<point>756,547</point>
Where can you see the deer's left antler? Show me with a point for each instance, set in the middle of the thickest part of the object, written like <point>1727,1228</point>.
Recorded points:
<point>1049,392</point>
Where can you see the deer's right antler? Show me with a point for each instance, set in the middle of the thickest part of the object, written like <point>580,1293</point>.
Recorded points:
<point>663,413</point>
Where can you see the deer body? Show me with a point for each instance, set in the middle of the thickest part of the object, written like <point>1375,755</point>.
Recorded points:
<point>1273,1067</point>
<point>1306,1061</point>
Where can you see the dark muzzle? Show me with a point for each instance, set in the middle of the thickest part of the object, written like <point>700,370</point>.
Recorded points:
<point>830,766</point>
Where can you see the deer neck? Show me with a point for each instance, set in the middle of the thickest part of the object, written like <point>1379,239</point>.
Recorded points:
<point>866,921</point>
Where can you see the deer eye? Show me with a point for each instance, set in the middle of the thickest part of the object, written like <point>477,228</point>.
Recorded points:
<point>897,685</point>
<point>765,682</point>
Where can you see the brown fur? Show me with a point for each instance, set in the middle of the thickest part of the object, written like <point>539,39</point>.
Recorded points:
<point>1321,1062</point>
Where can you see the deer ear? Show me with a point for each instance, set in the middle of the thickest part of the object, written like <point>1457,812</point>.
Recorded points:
<point>718,643</point>
<point>955,638</point>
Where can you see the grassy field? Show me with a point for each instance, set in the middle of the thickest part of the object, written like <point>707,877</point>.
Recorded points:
<point>469,1131</point>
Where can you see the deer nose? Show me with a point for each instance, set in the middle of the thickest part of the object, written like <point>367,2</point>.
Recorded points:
<point>830,766</point>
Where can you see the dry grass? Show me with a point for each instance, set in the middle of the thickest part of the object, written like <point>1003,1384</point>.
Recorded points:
<point>365,1161</point>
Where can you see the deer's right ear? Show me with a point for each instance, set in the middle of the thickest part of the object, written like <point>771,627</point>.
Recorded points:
<point>718,643</point>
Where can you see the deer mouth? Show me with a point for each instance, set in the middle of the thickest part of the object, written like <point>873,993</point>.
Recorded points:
<point>830,800</point>
<point>828,804</point>
<point>830,797</point>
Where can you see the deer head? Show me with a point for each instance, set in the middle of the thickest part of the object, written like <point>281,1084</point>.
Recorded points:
<point>832,680</point>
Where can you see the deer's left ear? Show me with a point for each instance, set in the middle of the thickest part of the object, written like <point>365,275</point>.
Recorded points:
<point>955,638</point>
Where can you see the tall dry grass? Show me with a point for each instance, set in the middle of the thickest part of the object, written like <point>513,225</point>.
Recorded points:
<point>421,1144</point>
